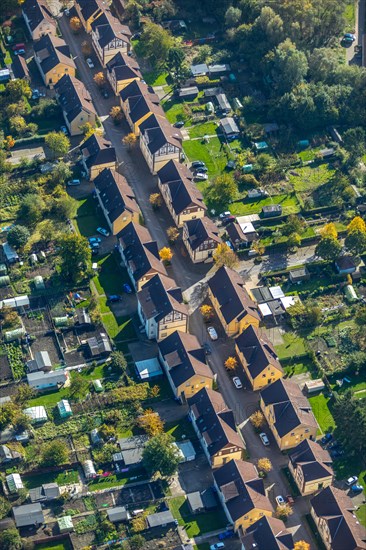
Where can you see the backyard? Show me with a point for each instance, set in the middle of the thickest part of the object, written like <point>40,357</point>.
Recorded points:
<point>62,478</point>
<point>289,203</point>
<point>196,524</point>
<point>212,153</point>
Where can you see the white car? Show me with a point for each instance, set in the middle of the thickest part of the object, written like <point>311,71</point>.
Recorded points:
<point>200,176</point>
<point>90,63</point>
<point>212,333</point>
<point>217,546</point>
<point>264,439</point>
<point>237,383</point>
<point>280,500</point>
<point>72,183</point>
<point>351,480</point>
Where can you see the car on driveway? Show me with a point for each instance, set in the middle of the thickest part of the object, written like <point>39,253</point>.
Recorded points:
<point>103,231</point>
<point>64,130</point>
<point>217,546</point>
<point>198,164</point>
<point>237,383</point>
<point>280,500</point>
<point>328,437</point>
<point>126,288</point>
<point>349,37</point>
<point>200,176</point>
<point>207,348</point>
<point>290,500</point>
<point>179,124</point>
<point>212,333</point>
<point>90,63</point>
<point>229,219</point>
<point>357,488</point>
<point>73,183</point>
<point>114,298</point>
<point>264,438</point>
<point>351,481</point>
<point>93,240</point>
<point>19,52</point>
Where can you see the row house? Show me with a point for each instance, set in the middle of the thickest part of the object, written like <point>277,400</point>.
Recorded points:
<point>88,11</point>
<point>311,467</point>
<point>184,363</point>
<point>242,494</point>
<point>76,104</point>
<point>116,199</point>
<point>121,71</point>
<point>159,142</point>
<point>38,19</point>
<point>139,102</point>
<point>232,303</point>
<point>215,427</point>
<point>161,308</point>
<point>267,533</point>
<point>201,238</point>
<point>109,37</point>
<point>184,201</point>
<point>53,59</point>
<point>288,413</point>
<point>97,154</point>
<point>140,254</point>
<point>258,358</point>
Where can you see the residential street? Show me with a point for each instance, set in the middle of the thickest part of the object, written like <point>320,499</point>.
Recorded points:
<point>133,166</point>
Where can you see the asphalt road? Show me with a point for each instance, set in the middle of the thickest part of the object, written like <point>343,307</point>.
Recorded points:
<point>134,168</point>
<point>360,14</point>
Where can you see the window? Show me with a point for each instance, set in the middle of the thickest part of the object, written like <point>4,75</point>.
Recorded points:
<point>163,334</point>
<point>292,433</point>
<point>231,450</point>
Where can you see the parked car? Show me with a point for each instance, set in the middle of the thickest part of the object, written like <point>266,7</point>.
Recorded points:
<point>114,298</point>
<point>19,52</point>
<point>72,183</point>
<point>264,438</point>
<point>229,219</point>
<point>212,333</point>
<point>200,176</point>
<point>94,240</point>
<point>226,535</point>
<point>126,288</point>
<point>349,37</point>
<point>237,383</point>
<point>90,63</point>
<point>198,164</point>
<point>207,348</point>
<point>224,215</point>
<point>290,500</point>
<point>19,46</point>
<point>179,124</point>
<point>64,130</point>
<point>336,453</point>
<point>280,500</point>
<point>103,231</point>
<point>217,546</point>
<point>357,488</point>
<point>105,93</point>
<point>351,481</point>
<point>328,437</point>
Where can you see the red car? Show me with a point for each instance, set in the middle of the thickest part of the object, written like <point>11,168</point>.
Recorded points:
<point>290,500</point>
<point>19,46</point>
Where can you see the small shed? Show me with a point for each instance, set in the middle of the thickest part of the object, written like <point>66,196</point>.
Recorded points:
<point>191,92</point>
<point>261,146</point>
<point>350,294</point>
<point>61,321</point>
<point>64,408</point>
<point>12,335</point>
<point>223,103</point>
<point>199,70</point>
<point>299,275</point>
<point>312,386</point>
<point>3,269</point>
<point>28,514</point>
<point>345,265</point>
<point>186,451</point>
<point>99,346</point>
<point>303,143</point>
<point>39,282</point>
<point>33,258</point>
<point>271,210</point>
<point>209,107</point>
<point>19,302</point>
<point>89,469</point>
<point>237,103</point>
<point>247,168</point>
<point>36,414</point>
<point>95,437</point>
<point>160,519</point>
<point>97,385</point>
<point>10,254</point>
<point>14,483</point>
<point>117,514</point>
<point>195,502</point>
<point>148,368</point>
<point>65,524</point>
<point>218,69</point>
<point>82,317</point>
<point>4,280</point>
<point>229,127</point>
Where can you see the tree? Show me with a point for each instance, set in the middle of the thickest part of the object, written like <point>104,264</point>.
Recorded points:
<point>5,507</point>
<point>32,209</point>
<point>9,143</point>
<point>301,545</point>
<point>136,542</point>
<point>78,386</point>
<point>257,419</point>
<point>156,200</point>
<point>231,363</point>
<point>9,318</point>
<point>356,242</point>
<point>232,16</point>
<point>173,234</point>
<point>207,312</point>
<point>100,79</point>
<point>223,255</point>
<point>292,225</point>
<point>75,24</point>
<point>150,422</point>
<point>161,455</point>
<point>61,173</point>
<point>329,231</point>
<point>328,248</point>
<point>116,114</point>
<point>63,207</point>
<point>118,362</point>
<point>264,464</point>
<point>24,394</point>
<point>54,453</point>
<point>17,125</point>
<point>86,48</point>
<point>154,44</point>
<point>305,315</point>
<point>165,254</point>
<point>10,539</point>
<point>58,143</point>
<point>283,511</point>
<point>18,236</point>
<point>354,141</point>
<point>130,140</point>
<point>288,66</point>
<point>175,63</point>
<point>75,256</point>
<point>222,191</point>
<point>357,224</point>
<point>18,88</point>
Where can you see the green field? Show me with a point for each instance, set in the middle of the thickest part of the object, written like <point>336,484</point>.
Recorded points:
<point>311,177</point>
<point>320,407</point>
<point>289,203</point>
<point>196,524</point>
<point>293,345</point>
<point>111,276</point>
<point>211,153</point>
<point>204,129</point>
<point>57,545</point>
<point>62,478</point>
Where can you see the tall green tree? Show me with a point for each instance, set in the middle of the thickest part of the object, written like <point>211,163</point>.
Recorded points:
<point>288,66</point>
<point>175,63</point>
<point>161,456</point>
<point>154,44</point>
<point>32,209</point>
<point>222,191</point>
<point>58,143</point>
<point>75,255</point>
<point>328,248</point>
<point>54,453</point>
<point>18,236</point>
<point>10,539</point>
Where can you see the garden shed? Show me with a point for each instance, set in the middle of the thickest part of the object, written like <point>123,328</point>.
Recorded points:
<point>97,385</point>
<point>61,322</point>
<point>36,414</point>
<point>10,254</point>
<point>209,107</point>
<point>312,386</point>
<point>65,524</point>
<point>12,335</point>
<point>64,408</point>
<point>14,483</point>
<point>89,469</point>
<point>261,146</point>
<point>117,514</point>
<point>39,282</point>
<point>350,294</point>
<point>4,280</point>
<point>18,302</point>
<point>186,451</point>
<point>149,368</point>
<point>188,93</point>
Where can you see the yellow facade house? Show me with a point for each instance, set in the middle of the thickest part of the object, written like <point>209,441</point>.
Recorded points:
<point>201,238</point>
<point>97,154</point>
<point>215,427</point>
<point>139,102</point>
<point>311,467</point>
<point>121,71</point>
<point>258,358</point>
<point>184,362</point>
<point>242,494</point>
<point>76,104</point>
<point>159,142</point>
<point>38,19</point>
<point>288,413</point>
<point>53,59</point>
<point>233,305</point>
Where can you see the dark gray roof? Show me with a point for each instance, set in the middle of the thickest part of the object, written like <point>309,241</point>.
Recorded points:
<point>214,420</point>
<point>140,251</point>
<point>336,508</point>
<point>314,461</point>
<point>261,294</point>
<point>51,50</point>
<point>158,132</point>
<point>132,442</point>
<point>20,67</point>
<point>73,97</point>
<point>99,345</point>
<point>184,356</point>
<point>160,518</point>
<point>200,231</point>
<point>183,191</point>
<point>115,194</point>
<point>97,151</point>
<point>228,288</point>
<point>258,351</point>
<point>107,27</point>
<point>124,67</point>
<point>161,296</point>
<point>268,533</point>
<point>90,7</point>
<point>345,262</point>
<point>36,12</point>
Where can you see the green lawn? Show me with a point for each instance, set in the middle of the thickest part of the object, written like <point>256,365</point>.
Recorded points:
<point>293,345</point>
<point>300,366</point>
<point>101,371</point>
<point>115,480</point>
<point>289,203</point>
<point>196,524</point>
<point>211,153</point>
<point>57,545</point>
<point>89,217</point>
<point>349,15</point>
<point>361,514</point>
<point>156,78</point>
<point>204,129</point>
<point>311,177</point>
<point>180,431</point>
<point>320,407</point>
<point>62,478</point>
<point>118,328</point>
<point>49,399</point>
<point>111,276</point>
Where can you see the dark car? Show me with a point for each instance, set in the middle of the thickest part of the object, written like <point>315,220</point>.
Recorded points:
<point>226,535</point>
<point>114,298</point>
<point>290,500</point>
<point>179,124</point>
<point>198,164</point>
<point>126,288</point>
<point>328,437</point>
<point>229,219</point>
<point>105,94</point>
<point>207,348</point>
